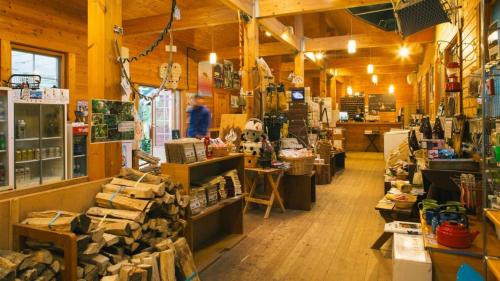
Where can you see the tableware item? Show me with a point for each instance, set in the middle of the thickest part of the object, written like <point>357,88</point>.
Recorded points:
<point>456,235</point>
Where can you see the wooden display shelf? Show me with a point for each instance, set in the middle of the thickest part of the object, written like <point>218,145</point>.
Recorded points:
<point>476,250</point>
<point>64,240</point>
<point>197,171</point>
<point>213,227</point>
<point>494,267</point>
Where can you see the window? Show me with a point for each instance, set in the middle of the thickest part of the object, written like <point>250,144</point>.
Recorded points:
<point>48,66</point>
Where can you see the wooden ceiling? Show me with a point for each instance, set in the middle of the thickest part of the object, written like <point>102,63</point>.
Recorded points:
<point>326,28</point>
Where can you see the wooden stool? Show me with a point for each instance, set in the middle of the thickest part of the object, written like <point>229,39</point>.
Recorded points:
<point>274,183</point>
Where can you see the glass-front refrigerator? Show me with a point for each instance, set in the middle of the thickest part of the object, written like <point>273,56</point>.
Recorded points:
<point>5,129</point>
<point>39,142</point>
<point>77,150</point>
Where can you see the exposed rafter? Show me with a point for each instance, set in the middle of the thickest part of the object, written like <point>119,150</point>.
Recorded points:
<point>265,50</point>
<point>273,8</point>
<point>367,40</point>
<point>381,70</point>
<point>191,18</point>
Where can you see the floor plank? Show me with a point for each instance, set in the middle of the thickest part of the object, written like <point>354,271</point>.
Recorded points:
<point>331,242</point>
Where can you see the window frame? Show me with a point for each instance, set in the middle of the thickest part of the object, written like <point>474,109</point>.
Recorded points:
<point>39,51</point>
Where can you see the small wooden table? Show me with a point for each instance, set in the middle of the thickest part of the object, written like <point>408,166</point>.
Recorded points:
<point>274,183</point>
<point>389,213</point>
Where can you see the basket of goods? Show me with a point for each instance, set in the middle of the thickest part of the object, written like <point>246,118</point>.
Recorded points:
<point>402,201</point>
<point>324,149</point>
<point>218,148</point>
<point>301,161</point>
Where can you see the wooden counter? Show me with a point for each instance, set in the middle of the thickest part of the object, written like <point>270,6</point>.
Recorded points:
<point>355,139</point>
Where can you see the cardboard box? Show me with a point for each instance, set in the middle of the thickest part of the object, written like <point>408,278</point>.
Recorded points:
<point>338,131</point>
<point>410,260</point>
<point>338,144</point>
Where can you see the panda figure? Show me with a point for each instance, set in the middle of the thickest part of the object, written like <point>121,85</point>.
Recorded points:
<point>250,148</point>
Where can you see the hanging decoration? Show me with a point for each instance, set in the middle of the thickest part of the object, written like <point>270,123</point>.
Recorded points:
<point>174,14</point>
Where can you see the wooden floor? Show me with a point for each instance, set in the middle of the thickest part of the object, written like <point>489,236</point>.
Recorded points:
<point>331,242</point>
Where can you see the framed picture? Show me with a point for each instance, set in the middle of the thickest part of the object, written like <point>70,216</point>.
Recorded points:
<point>235,101</point>
<point>205,78</point>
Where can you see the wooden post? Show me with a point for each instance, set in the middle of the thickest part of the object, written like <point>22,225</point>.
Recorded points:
<point>251,53</point>
<point>299,57</point>
<point>105,160</point>
<point>5,59</point>
<point>322,83</point>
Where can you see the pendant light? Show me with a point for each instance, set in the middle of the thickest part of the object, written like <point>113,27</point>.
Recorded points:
<point>375,79</point>
<point>370,67</point>
<point>349,90</point>
<point>351,44</point>
<point>391,89</point>
<point>213,56</point>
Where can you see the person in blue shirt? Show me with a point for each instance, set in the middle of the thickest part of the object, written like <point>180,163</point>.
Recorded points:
<point>199,119</point>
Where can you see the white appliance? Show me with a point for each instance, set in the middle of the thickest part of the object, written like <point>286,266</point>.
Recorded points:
<point>410,260</point>
<point>392,140</point>
<point>37,136</point>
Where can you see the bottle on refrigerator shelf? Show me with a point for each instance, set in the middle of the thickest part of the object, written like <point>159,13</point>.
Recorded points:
<point>3,143</point>
<point>21,129</point>
<point>2,110</point>
<point>27,175</point>
<point>2,174</point>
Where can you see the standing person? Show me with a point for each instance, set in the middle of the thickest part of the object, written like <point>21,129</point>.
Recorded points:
<point>199,119</point>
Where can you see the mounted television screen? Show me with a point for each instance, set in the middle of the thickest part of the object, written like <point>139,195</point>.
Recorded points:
<point>343,116</point>
<point>298,94</point>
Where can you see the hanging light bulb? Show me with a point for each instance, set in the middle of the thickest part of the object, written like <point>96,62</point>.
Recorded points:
<point>319,55</point>
<point>391,89</point>
<point>404,52</point>
<point>213,58</point>
<point>375,79</point>
<point>351,46</point>
<point>369,68</point>
<point>268,34</point>
<point>310,55</point>
<point>349,90</point>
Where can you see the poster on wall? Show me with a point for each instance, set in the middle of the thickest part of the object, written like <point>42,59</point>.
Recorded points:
<point>381,103</point>
<point>112,121</point>
<point>205,78</point>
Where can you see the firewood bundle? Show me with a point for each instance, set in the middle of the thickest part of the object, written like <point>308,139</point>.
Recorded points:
<point>28,265</point>
<point>135,220</point>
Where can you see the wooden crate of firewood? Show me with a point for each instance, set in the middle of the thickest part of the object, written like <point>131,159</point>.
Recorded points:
<point>122,226</point>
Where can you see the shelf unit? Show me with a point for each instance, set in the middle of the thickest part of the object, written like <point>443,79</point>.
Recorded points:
<point>218,227</point>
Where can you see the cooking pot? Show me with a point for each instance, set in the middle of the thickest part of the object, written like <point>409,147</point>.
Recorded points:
<point>455,235</point>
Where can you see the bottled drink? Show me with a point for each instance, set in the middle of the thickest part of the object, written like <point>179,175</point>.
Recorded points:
<point>2,111</point>
<point>425,128</point>
<point>21,129</point>
<point>2,174</point>
<point>27,175</point>
<point>3,143</point>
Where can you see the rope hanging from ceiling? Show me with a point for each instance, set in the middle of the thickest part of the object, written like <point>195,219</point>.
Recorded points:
<point>174,13</point>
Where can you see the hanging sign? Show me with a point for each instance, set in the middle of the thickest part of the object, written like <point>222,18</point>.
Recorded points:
<point>112,121</point>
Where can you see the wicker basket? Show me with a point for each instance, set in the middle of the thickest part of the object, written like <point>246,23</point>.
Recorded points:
<point>300,166</point>
<point>218,151</point>
<point>324,149</point>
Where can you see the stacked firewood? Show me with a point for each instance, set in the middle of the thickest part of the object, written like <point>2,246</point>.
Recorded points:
<point>28,265</point>
<point>129,231</point>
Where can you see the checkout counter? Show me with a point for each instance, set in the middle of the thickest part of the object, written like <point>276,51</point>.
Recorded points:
<point>356,138</point>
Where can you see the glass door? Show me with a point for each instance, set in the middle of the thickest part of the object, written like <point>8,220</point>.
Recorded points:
<point>166,119</point>
<point>146,117</point>
<point>52,143</point>
<point>27,145</point>
<point>4,155</point>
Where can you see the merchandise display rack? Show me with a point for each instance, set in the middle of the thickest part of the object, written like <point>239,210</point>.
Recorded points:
<point>218,227</point>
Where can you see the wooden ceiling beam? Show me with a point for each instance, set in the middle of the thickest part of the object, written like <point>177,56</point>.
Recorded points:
<point>273,8</point>
<point>376,61</point>
<point>382,70</point>
<point>372,40</point>
<point>191,19</point>
<point>265,50</point>
<point>274,26</point>
<point>289,67</point>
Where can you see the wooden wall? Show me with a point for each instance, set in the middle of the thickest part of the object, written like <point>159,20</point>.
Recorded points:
<point>53,25</point>
<point>432,58</point>
<point>403,91</point>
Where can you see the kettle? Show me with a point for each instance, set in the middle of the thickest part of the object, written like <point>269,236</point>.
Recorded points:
<point>454,234</point>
